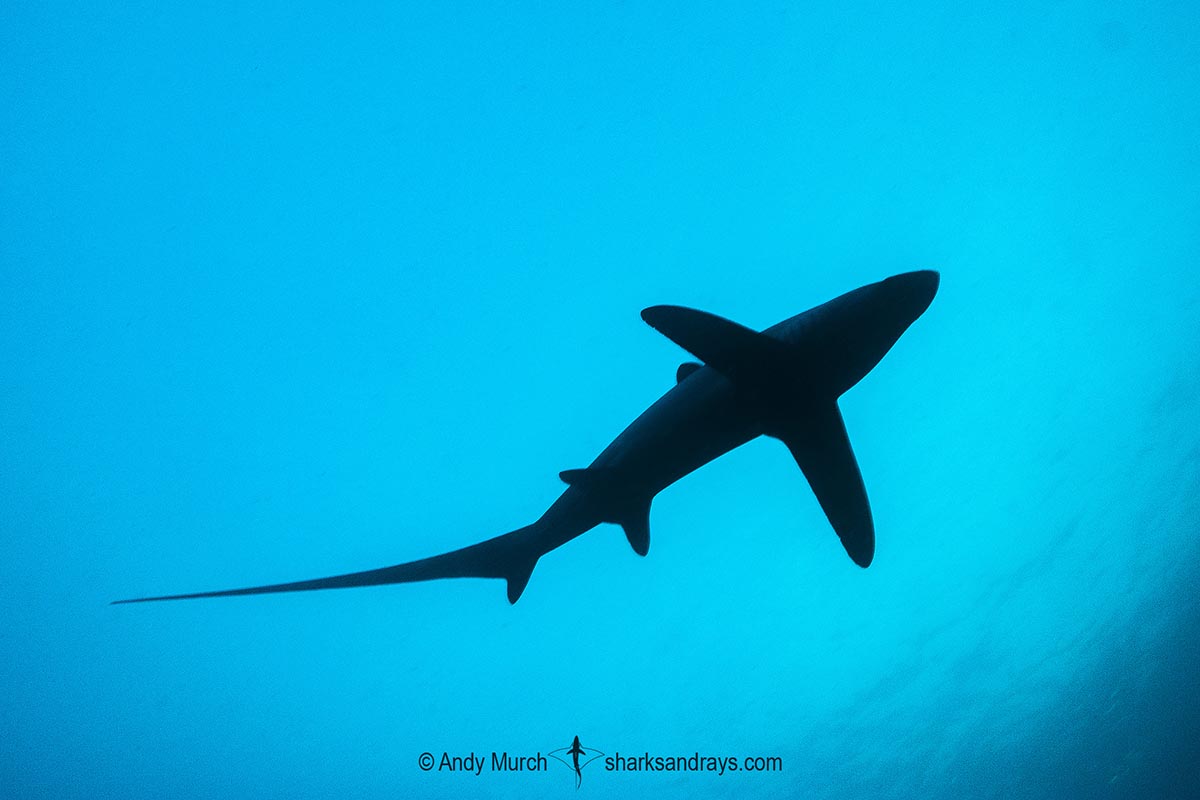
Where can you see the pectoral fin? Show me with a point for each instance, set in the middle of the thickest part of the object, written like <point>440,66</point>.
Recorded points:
<point>821,447</point>
<point>740,354</point>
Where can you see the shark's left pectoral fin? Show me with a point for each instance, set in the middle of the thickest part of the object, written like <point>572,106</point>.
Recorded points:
<point>819,443</point>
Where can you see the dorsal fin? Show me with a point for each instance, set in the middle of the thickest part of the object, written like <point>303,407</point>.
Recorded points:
<point>589,476</point>
<point>686,369</point>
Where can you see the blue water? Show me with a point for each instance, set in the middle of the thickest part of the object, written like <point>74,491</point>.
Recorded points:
<point>291,290</point>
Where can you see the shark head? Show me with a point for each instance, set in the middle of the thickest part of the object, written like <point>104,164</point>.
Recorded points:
<point>910,293</point>
<point>845,338</point>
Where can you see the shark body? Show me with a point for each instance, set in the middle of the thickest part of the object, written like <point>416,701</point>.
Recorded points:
<point>783,382</point>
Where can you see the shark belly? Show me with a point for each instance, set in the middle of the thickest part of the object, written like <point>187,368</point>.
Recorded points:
<point>698,420</point>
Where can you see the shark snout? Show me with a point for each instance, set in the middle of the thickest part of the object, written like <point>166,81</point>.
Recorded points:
<point>923,282</point>
<point>917,288</point>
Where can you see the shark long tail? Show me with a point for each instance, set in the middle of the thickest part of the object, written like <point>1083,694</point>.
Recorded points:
<point>511,556</point>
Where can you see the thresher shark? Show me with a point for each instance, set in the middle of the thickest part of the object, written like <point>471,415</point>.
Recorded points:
<point>783,382</point>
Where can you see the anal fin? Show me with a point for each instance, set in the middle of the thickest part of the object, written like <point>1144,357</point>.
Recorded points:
<point>637,529</point>
<point>605,486</point>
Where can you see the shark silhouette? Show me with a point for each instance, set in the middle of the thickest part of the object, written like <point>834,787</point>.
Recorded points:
<point>576,751</point>
<point>783,382</point>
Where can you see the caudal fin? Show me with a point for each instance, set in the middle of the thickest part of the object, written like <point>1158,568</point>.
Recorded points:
<point>511,556</point>
<point>518,578</point>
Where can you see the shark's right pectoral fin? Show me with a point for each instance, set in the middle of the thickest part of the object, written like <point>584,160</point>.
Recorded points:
<point>819,443</point>
<point>744,356</point>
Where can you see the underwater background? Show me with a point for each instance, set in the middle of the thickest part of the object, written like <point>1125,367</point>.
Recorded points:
<point>288,290</point>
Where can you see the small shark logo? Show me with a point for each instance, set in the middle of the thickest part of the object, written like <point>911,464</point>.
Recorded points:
<point>576,757</point>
